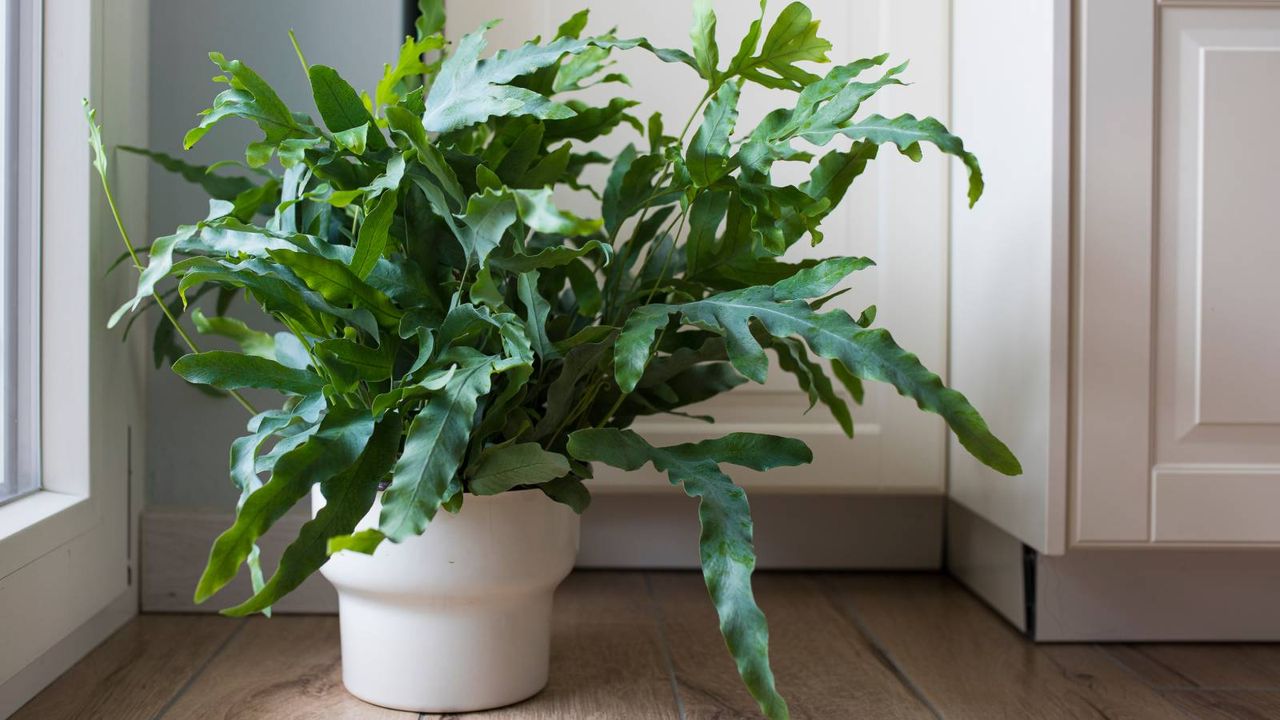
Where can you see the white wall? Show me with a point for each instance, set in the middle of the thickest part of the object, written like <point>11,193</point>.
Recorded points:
<point>190,432</point>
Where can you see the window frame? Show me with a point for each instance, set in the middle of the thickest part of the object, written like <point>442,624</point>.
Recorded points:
<point>67,551</point>
<point>86,483</point>
<point>20,132</point>
<point>59,507</point>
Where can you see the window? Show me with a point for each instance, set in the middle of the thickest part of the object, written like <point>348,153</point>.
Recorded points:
<point>19,248</point>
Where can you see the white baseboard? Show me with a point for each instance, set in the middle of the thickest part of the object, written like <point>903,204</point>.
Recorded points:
<point>620,530</point>
<point>1159,595</point>
<point>989,561</point>
<point>1118,595</point>
<point>29,681</point>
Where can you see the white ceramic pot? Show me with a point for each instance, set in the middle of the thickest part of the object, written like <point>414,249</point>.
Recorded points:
<point>459,618</point>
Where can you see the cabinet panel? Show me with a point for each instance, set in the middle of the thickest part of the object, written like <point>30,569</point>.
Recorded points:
<point>1114,248</point>
<point>1009,258</point>
<point>1217,399</point>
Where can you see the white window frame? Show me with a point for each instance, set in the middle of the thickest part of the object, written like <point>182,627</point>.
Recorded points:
<point>20,65</point>
<point>30,524</point>
<point>66,579</point>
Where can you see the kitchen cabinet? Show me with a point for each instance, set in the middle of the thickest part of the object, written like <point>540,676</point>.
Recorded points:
<point>1134,336</point>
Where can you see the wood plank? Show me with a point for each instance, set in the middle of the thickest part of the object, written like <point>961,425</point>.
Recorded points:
<point>607,659</point>
<point>1227,704</point>
<point>135,672</point>
<point>1203,666</point>
<point>282,668</point>
<point>823,666</point>
<point>971,664</point>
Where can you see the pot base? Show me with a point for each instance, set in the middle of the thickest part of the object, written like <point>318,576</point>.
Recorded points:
<point>457,619</point>
<point>456,656</point>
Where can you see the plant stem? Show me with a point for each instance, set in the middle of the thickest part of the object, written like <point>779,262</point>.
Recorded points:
<point>609,305</point>
<point>137,264</point>
<point>622,397</point>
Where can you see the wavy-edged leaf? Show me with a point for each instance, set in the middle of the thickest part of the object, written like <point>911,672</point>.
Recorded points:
<point>792,38</point>
<point>425,475</point>
<point>469,90</point>
<point>586,288</point>
<point>812,378</point>
<point>251,342</point>
<point>569,491</point>
<point>159,263</point>
<point>342,436</point>
<point>355,140</point>
<point>430,20</point>
<point>488,217</point>
<point>726,547</point>
<point>634,346</point>
<point>365,542</point>
<point>539,212</point>
<point>836,171</point>
<point>821,110</point>
<point>500,469</point>
<point>340,106</point>
<point>703,35</point>
<point>631,186</point>
<point>371,243</point>
<point>867,353</point>
<point>819,279</point>
<point>278,292</point>
<point>233,371</point>
<point>536,311</point>
<point>907,132</point>
<point>409,126</point>
<point>352,362</point>
<point>590,122</point>
<point>708,156</point>
<point>222,187</point>
<point>348,497</point>
<point>336,283</point>
<point>249,97</point>
<point>396,79</point>
<point>551,256</point>
<point>580,363</point>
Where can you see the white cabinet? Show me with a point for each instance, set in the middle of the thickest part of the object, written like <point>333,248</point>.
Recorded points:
<point>1168,459</point>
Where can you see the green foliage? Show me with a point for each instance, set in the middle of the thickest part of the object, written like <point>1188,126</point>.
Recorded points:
<point>438,321</point>
<point>728,556</point>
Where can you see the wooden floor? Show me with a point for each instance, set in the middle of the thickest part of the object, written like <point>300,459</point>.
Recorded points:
<point>645,645</point>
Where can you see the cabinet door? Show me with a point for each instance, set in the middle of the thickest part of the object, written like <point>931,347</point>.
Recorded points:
<point>896,214</point>
<point>1216,474</point>
<point>1181,297</point>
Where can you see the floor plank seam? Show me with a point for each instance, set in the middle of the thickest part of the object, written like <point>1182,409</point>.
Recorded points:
<point>1190,684</point>
<point>1266,689</point>
<point>660,621</point>
<point>881,652</point>
<point>200,670</point>
<point>1119,662</point>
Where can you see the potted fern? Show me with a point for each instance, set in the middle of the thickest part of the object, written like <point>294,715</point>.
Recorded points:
<point>454,351</point>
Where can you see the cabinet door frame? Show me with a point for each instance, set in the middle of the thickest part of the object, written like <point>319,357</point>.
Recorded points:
<point>1146,469</point>
<point>1114,245</point>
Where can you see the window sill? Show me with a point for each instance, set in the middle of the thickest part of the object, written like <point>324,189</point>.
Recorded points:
<point>33,525</point>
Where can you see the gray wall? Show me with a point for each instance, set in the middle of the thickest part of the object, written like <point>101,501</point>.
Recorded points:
<point>189,432</point>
